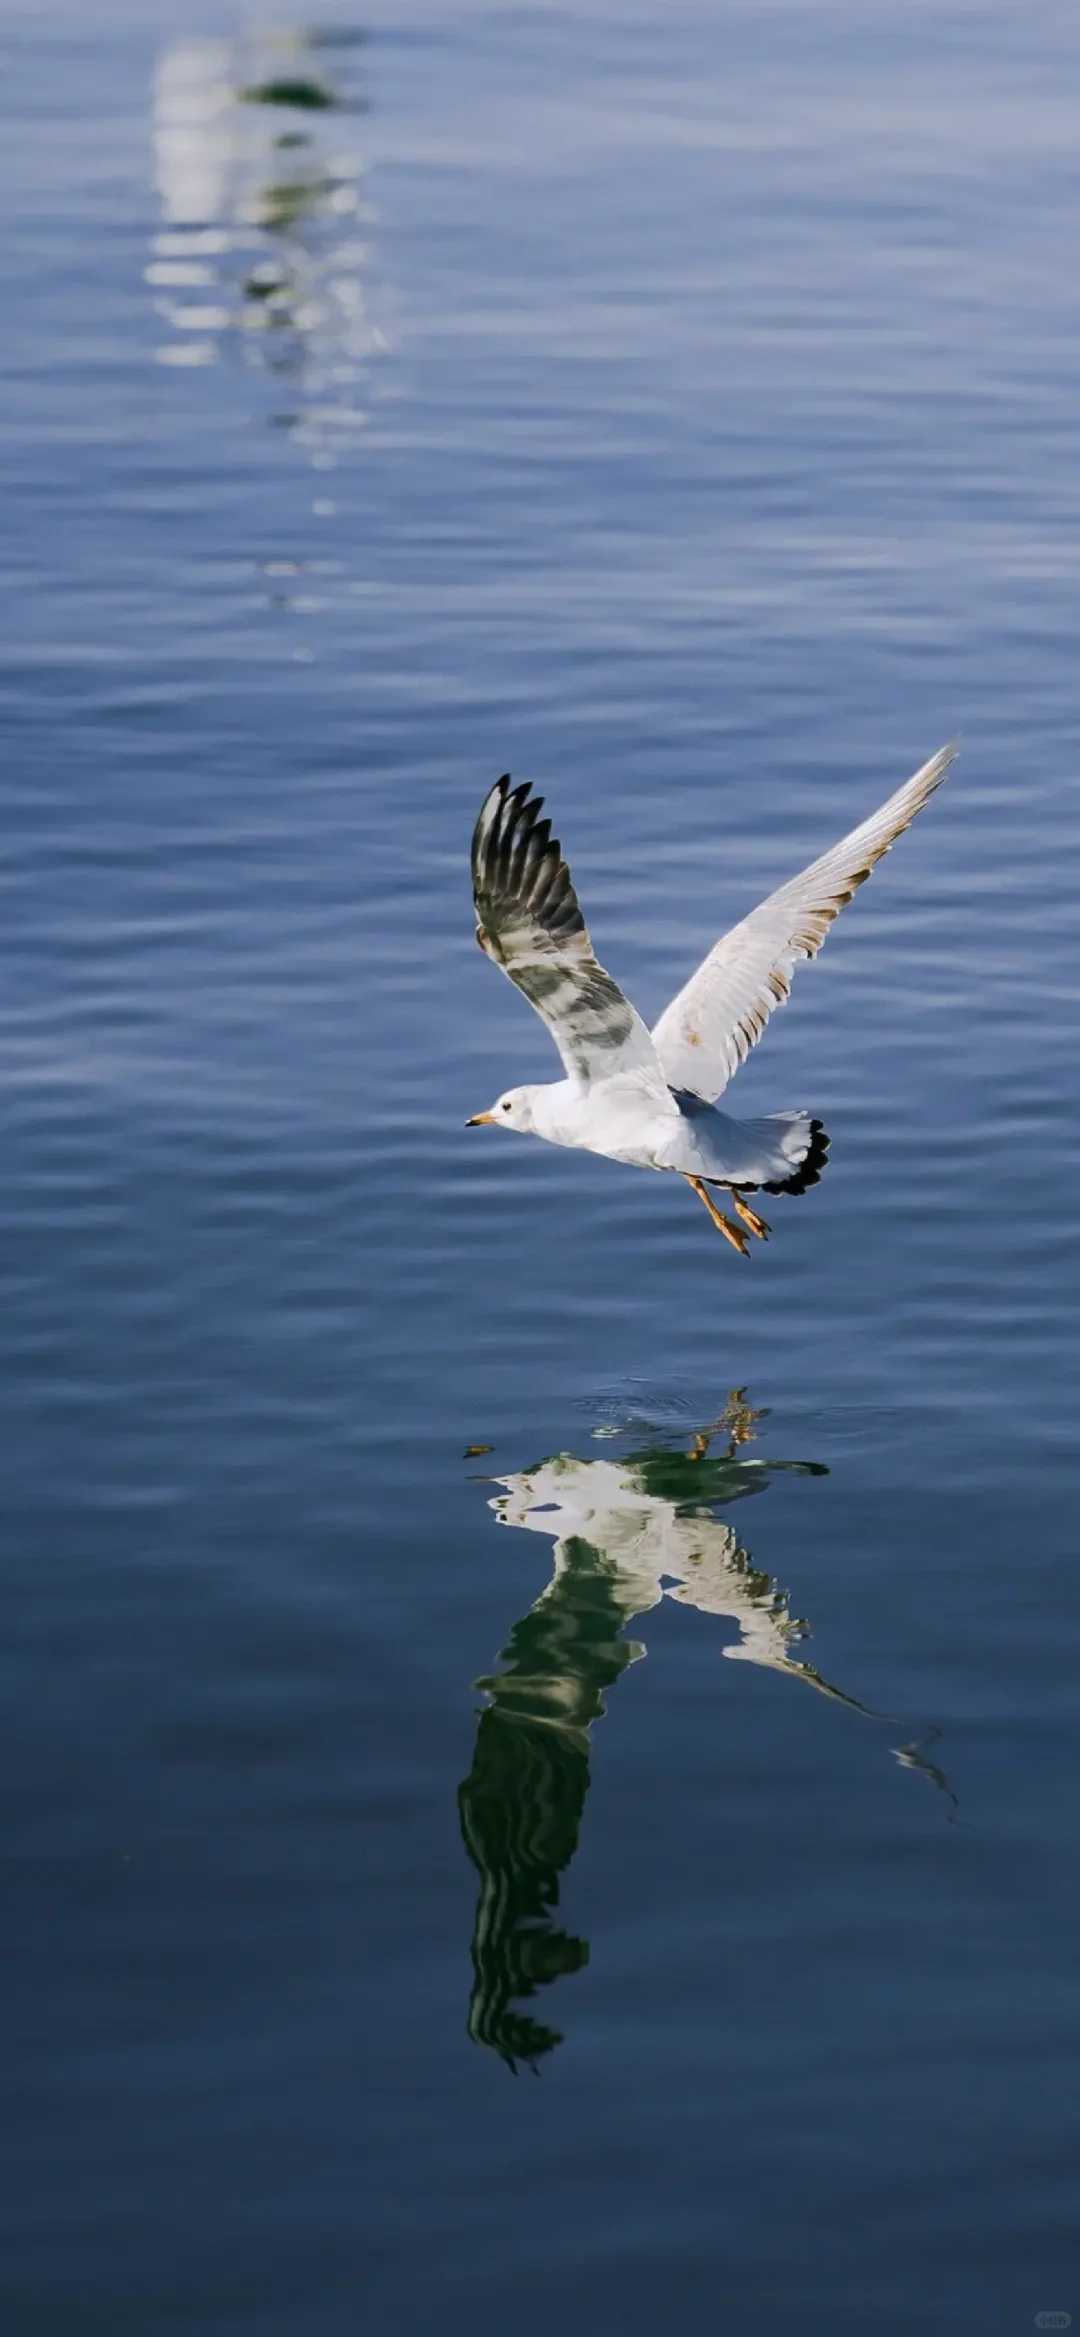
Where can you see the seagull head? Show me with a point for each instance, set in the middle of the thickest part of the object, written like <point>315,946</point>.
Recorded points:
<point>513,1110</point>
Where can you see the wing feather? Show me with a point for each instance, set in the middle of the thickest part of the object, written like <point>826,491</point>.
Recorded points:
<point>709,1029</point>
<point>528,922</point>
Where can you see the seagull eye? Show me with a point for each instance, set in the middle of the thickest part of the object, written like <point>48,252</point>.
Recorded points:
<point>506,1107</point>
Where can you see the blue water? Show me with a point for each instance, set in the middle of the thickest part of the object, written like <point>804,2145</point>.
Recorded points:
<point>676,407</point>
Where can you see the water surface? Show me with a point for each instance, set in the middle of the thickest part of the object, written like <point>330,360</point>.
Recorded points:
<point>677,409</point>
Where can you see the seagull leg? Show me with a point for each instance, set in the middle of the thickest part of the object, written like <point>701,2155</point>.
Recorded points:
<point>739,1418</point>
<point>749,1217</point>
<point>736,1421</point>
<point>723,1224</point>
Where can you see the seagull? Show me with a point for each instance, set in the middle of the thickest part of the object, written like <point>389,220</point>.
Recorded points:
<point>650,1098</point>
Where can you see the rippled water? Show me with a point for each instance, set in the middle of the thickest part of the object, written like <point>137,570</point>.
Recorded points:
<point>677,408</point>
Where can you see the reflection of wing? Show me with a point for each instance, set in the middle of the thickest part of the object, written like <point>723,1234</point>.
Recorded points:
<point>726,1582</point>
<point>522,1802</point>
<point>520,1809</point>
<point>709,1029</point>
<point>720,1579</point>
<point>529,923</point>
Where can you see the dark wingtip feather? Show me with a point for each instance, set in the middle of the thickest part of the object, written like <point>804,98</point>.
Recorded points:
<point>490,811</point>
<point>518,865</point>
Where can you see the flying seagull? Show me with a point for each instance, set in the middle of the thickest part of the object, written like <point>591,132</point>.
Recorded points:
<point>650,1098</point>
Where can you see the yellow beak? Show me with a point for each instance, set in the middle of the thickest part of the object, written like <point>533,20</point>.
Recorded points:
<point>481,1120</point>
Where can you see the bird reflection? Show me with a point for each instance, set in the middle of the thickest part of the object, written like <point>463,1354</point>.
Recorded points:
<point>628,1532</point>
<point>261,243</point>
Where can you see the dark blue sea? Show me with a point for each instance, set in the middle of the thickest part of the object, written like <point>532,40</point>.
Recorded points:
<point>540,1756</point>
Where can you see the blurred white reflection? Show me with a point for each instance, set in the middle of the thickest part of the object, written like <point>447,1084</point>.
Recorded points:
<point>261,246</point>
<point>193,129</point>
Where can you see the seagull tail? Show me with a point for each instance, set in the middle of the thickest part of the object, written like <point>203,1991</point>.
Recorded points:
<point>806,1145</point>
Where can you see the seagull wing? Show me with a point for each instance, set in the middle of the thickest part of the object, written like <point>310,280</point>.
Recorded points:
<point>709,1029</point>
<point>529,923</point>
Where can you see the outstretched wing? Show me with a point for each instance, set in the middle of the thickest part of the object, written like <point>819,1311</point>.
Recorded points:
<point>529,923</point>
<point>709,1029</point>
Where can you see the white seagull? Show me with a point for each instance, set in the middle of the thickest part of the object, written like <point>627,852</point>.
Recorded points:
<point>650,1098</point>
